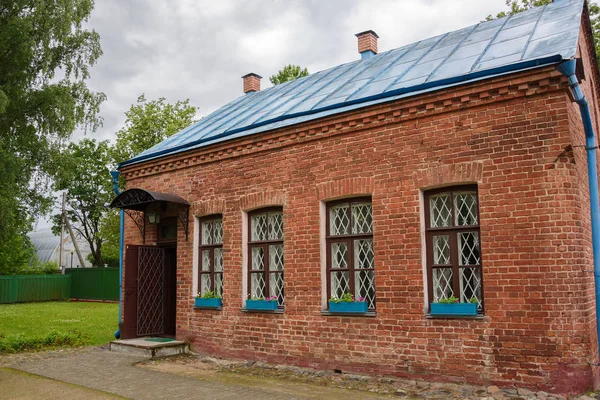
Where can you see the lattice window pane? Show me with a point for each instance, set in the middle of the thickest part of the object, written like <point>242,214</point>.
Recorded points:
<point>258,259</point>
<point>339,255</point>
<point>440,214</point>
<point>442,284</point>
<point>257,285</point>
<point>218,231</point>
<point>363,254</point>
<point>205,260</point>
<point>340,283</point>
<point>365,286</point>
<point>470,285</point>
<point>362,218</point>
<point>218,259</point>
<point>468,249</point>
<point>276,257</point>
<point>219,284</point>
<point>207,232</point>
<point>204,283</point>
<point>276,226</point>
<point>465,204</point>
<point>441,250</point>
<point>276,286</point>
<point>259,227</point>
<point>339,221</point>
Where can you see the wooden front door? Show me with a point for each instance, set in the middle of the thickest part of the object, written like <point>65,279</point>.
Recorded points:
<point>144,292</point>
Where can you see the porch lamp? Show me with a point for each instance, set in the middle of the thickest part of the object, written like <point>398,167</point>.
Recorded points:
<point>153,217</point>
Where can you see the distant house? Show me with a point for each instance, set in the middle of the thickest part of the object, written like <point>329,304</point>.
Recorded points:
<point>450,167</point>
<point>47,248</point>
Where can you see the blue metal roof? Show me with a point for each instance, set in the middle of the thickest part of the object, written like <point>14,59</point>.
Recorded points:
<point>530,39</point>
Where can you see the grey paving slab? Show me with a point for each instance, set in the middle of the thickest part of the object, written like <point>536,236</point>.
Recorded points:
<point>116,373</point>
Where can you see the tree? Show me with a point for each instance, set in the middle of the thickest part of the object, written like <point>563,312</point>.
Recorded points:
<point>45,55</point>
<point>84,176</point>
<point>517,6</point>
<point>109,233</point>
<point>149,123</point>
<point>288,73</point>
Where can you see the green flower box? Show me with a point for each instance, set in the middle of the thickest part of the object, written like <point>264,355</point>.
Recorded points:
<point>462,309</point>
<point>269,305</point>
<point>348,307</point>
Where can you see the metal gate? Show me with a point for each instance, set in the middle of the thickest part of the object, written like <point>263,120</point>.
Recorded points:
<point>150,299</point>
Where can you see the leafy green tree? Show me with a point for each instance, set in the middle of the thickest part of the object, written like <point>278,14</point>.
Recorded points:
<point>288,73</point>
<point>45,55</point>
<point>149,123</point>
<point>109,232</point>
<point>517,6</point>
<point>84,176</point>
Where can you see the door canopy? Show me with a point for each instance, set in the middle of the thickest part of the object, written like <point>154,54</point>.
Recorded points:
<point>137,202</point>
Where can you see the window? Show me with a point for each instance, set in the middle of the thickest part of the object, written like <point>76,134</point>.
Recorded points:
<point>350,257</point>
<point>211,255</point>
<point>167,230</point>
<point>453,248</point>
<point>265,254</point>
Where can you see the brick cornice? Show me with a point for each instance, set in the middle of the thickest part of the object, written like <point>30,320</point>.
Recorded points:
<point>528,83</point>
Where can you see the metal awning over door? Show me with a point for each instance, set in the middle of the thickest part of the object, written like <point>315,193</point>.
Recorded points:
<point>137,202</point>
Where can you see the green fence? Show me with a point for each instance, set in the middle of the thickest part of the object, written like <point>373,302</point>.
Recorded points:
<point>29,288</point>
<point>94,283</point>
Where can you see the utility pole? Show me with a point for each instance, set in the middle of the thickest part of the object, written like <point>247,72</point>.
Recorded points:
<point>65,220</point>
<point>62,233</point>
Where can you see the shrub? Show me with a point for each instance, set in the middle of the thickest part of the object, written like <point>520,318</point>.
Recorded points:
<point>19,343</point>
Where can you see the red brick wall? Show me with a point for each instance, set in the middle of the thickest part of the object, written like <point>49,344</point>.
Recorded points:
<point>510,135</point>
<point>578,156</point>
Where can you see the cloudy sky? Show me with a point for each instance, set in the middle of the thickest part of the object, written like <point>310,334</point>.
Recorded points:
<point>199,49</point>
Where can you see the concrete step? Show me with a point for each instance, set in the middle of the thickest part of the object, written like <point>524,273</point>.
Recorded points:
<point>148,348</point>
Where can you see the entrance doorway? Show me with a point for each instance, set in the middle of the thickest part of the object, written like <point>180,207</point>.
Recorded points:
<point>150,291</point>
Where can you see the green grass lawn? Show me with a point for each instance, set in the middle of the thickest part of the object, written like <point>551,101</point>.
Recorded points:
<point>31,322</point>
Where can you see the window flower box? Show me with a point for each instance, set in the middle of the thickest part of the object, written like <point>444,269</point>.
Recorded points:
<point>461,309</point>
<point>348,307</point>
<point>208,303</point>
<point>263,305</point>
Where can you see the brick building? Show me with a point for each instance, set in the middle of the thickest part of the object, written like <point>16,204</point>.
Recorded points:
<point>453,166</point>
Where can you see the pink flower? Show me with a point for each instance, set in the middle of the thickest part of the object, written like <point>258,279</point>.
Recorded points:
<point>361,299</point>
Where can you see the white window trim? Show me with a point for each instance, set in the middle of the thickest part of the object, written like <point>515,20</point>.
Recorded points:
<point>244,257</point>
<point>323,241</point>
<point>195,258</point>
<point>423,251</point>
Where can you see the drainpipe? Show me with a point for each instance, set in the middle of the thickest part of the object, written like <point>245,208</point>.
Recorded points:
<point>567,68</point>
<point>115,178</point>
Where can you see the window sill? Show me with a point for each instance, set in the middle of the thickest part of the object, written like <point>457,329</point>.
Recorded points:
<point>207,308</point>
<point>369,314</point>
<point>479,317</point>
<point>278,311</point>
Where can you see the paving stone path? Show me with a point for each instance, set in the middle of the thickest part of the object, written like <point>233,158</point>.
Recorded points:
<point>116,373</point>
<point>202,377</point>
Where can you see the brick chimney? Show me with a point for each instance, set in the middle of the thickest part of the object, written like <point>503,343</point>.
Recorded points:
<point>251,82</point>
<point>367,44</point>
